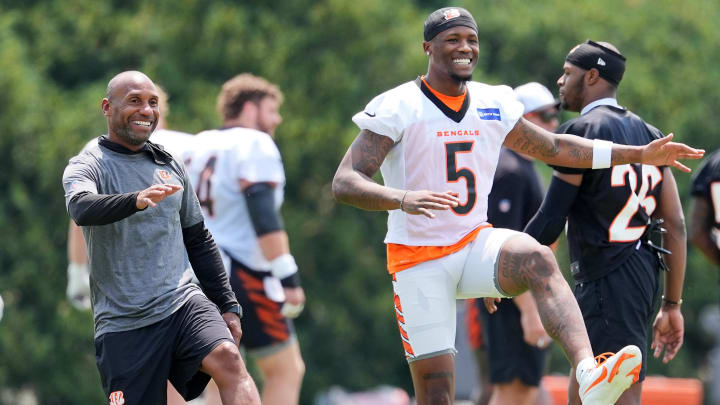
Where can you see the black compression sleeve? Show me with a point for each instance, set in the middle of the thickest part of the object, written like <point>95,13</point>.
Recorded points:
<point>87,209</point>
<point>549,221</point>
<point>260,200</point>
<point>208,266</point>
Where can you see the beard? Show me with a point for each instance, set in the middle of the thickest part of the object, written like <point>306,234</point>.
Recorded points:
<point>126,134</point>
<point>572,97</point>
<point>461,79</point>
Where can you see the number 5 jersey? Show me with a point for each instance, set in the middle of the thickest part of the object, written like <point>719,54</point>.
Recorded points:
<point>440,149</point>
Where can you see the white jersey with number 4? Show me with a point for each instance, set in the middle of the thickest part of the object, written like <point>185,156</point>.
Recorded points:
<point>221,161</point>
<point>438,149</point>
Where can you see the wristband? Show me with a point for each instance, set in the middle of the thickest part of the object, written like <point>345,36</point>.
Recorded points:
<point>602,154</point>
<point>283,266</point>
<point>668,302</point>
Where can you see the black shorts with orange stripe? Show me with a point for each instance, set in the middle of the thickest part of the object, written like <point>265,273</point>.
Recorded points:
<point>263,325</point>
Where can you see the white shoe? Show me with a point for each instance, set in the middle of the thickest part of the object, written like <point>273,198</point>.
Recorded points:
<point>613,374</point>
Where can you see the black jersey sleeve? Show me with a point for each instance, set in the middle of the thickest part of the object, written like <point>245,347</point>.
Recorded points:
<point>208,266</point>
<point>88,209</point>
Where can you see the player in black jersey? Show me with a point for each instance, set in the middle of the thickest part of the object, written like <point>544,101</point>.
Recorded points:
<point>614,260</point>
<point>705,208</point>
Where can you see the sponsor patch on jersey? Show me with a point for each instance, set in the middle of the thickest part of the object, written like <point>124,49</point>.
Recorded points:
<point>489,114</point>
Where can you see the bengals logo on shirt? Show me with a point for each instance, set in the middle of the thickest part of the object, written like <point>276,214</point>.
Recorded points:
<point>117,398</point>
<point>164,174</point>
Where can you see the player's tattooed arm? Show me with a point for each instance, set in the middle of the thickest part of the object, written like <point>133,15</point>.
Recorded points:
<point>575,151</point>
<point>561,150</point>
<point>532,140</point>
<point>353,183</point>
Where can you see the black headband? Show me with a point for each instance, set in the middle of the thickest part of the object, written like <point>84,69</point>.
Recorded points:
<point>590,54</point>
<point>446,18</point>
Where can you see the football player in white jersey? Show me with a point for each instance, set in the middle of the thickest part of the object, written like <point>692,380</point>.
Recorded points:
<point>239,178</point>
<point>436,141</point>
<point>78,287</point>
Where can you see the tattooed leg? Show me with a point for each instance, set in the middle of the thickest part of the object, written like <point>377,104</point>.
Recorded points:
<point>434,380</point>
<point>523,265</point>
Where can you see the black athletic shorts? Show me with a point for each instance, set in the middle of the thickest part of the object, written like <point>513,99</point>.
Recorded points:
<point>135,365</point>
<point>619,309</point>
<point>509,357</point>
<point>265,329</point>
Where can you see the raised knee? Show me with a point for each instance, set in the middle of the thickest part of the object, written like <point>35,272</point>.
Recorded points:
<point>543,261</point>
<point>228,357</point>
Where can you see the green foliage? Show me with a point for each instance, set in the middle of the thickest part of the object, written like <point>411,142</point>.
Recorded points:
<point>330,57</point>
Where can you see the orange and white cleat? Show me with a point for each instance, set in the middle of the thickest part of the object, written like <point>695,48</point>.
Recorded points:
<point>613,374</point>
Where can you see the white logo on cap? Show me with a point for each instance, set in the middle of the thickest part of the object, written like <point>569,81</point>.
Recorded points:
<point>601,62</point>
<point>452,13</point>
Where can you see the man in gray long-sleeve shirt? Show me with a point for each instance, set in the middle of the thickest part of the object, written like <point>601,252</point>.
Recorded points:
<point>139,214</point>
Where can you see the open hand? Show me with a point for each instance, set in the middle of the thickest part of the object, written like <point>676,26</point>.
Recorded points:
<point>662,152</point>
<point>154,194</point>
<point>423,202</point>
<point>668,331</point>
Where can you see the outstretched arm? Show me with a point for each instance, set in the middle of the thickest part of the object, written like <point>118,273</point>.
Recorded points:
<point>353,183</point>
<point>669,324</point>
<point>574,151</point>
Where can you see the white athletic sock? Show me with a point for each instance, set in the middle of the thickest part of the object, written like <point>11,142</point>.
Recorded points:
<point>583,367</point>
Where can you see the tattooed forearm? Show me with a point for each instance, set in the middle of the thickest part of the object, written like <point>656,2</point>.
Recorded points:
<point>580,155</point>
<point>534,141</point>
<point>353,183</point>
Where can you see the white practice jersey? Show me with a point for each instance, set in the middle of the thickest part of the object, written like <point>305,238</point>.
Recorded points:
<point>439,149</point>
<point>179,144</point>
<point>221,159</point>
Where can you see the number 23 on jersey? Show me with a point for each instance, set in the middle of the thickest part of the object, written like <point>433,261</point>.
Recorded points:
<point>650,176</point>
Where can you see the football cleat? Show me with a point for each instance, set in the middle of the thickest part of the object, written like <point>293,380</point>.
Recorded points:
<point>613,374</point>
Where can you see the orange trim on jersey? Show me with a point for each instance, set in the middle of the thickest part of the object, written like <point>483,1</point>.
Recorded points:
<point>453,102</point>
<point>401,257</point>
<point>401,323</point>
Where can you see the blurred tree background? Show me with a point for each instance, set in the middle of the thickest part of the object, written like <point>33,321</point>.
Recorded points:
<point>330,57</point>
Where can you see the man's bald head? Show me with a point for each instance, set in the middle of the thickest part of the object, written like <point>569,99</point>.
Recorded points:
<point>123,79</point>
<point>132,108</point>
